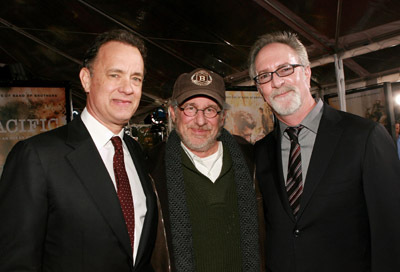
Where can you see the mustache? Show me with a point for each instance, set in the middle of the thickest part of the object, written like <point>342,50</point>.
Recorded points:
<point>205,127</point>
<point>282,90</point>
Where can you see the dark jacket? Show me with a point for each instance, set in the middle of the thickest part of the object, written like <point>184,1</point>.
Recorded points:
<point>348,218</point>
<point>163,258</point>
<point>59,210</point>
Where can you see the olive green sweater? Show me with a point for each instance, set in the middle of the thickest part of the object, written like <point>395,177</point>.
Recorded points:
<point>214,218</point>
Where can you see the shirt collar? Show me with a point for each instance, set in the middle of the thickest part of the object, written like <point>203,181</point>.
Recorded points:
<point>311,121</point>
<point>194,157</point>
<point>99,133</point>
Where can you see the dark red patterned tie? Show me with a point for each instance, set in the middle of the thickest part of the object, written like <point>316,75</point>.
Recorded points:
<point>123,188</point>
<point>294,183</point>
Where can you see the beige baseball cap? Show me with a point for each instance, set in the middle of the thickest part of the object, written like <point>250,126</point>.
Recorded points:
<point>200,82</point>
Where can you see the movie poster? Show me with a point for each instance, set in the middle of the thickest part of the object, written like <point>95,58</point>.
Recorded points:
<point>369,103</point>
<point>27,111</point>
<point>249,116</point>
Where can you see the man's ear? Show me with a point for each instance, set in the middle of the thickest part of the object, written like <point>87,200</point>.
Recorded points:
<point>85,77</point>
<point>260,92</point>
<point>223,117</point>
<point>224,113</point>
<point>307,73</point>
<point>172,113</point>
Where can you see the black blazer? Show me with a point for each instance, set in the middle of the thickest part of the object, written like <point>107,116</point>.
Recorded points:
<point>350,207</point>
<point>59,210</point>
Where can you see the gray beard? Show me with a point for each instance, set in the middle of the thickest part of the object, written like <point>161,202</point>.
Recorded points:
<point>198,147</point>
<point>294,104</point>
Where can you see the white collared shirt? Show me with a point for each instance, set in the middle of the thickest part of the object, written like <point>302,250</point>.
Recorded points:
<point>102,139</point>
<point>210,166</point>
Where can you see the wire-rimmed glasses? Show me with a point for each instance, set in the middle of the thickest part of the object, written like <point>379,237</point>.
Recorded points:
<point>191,111</point>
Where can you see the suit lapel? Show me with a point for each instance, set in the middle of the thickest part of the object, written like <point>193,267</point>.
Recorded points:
<point>149,222</point>
<point>325,144</point>
<point>89,167</point>
<point>280,180</point>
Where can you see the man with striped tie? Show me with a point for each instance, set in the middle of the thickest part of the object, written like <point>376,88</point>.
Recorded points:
<point>330,180</point>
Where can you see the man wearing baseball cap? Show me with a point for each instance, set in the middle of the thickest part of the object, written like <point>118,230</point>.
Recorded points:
<point>203,178</point>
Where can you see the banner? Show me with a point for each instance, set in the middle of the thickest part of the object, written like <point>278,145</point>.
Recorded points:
<point>369,103</point>
<point>27,111</point>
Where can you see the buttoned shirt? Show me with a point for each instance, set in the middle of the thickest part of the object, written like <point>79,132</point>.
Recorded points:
<point>306,138</point>
<point>102,139</point>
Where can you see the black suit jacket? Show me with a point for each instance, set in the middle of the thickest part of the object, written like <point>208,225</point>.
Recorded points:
<point>350,207</point>
<point>59,210</point>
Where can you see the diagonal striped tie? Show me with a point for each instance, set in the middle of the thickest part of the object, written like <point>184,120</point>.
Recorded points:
<point>294,182</point>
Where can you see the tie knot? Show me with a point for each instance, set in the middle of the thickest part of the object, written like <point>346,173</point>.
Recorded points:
<point>117,143</point>
<point>293,132</point>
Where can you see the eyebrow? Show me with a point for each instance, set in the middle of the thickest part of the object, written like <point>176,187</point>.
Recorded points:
<point>117,70</point>
<point>278,67</point>
<point>137,74</point>
<point>194,104</point>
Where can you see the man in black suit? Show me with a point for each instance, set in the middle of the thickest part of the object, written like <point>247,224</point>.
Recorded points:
<point>343,180</point>
<point>59,198</point>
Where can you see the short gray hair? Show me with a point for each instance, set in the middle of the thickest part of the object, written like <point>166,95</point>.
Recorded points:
<point>288,38</point>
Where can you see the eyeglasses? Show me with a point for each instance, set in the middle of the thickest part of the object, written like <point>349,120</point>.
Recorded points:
<point>283,71</point>
<point>208,112</point>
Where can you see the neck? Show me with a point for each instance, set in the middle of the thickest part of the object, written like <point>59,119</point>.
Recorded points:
<point>114,128</point>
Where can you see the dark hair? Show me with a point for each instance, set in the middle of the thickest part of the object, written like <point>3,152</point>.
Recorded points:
<point>119,35</point>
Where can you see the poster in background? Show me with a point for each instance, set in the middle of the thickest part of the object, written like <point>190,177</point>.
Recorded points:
<point>368,103</point>
<point>29,110</point>
<point>249,116</point>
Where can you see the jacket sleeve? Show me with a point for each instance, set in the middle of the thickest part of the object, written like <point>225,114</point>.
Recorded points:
<point>381,181</point>
<point>23,210</point>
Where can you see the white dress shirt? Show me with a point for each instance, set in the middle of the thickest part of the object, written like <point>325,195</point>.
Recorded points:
<point>102,139</point>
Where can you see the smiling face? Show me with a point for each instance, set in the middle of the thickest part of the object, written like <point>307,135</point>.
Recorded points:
<point>288,95</point>
<point>198,133</point>
<point>114,84</point>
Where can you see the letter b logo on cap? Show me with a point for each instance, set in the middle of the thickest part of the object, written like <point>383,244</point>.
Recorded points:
<point>201,78</point>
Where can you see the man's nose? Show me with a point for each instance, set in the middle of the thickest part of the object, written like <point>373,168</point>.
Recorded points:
<point>127,86</point>
<point>276,81</point>
<point>200,119</point>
